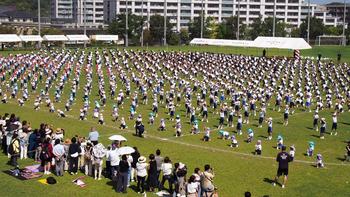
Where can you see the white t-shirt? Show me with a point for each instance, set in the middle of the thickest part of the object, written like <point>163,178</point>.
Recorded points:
<point>192,187</point>
<point>166,168</point>
<point>114,157</point>
<point>141,169</point>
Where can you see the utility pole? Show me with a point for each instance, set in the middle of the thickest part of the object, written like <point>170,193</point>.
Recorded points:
<point>84,21</point>
<point>308,22</point>
<point>344,38</point>
<point>39,24</point>
<point>142,24</point>
<point>126,25</point>
<point>202,17</point>
<point>274,19</point>
<point>238,15</point>
<point>165,12</point>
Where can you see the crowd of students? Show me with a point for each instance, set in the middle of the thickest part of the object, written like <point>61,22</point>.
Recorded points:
<point>47,146</point>
<point>233,88</point>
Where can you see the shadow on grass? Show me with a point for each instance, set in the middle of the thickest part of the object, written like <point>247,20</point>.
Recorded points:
<point>341,159</point>
<point>270,181</point>
<point>262,136</point>
<point>316,136</point>
<point>310,128</point>
<point>134,188</point>
<point>346,123</point>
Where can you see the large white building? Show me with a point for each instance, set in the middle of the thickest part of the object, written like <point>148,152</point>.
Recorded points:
<point>72,11</point>
<point>181,12</point>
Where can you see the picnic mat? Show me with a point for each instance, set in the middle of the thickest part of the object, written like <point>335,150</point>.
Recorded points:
<point>79,181</point>
<point>34,168</point>
<point>24,174</point>
<point>163,193</point>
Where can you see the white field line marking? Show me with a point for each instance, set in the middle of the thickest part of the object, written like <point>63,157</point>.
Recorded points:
<point>199,146</point>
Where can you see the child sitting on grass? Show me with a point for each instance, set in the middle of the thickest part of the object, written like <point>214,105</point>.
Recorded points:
<point>258,147</point>
<point>292,152</point>
<point>319,161</point>
<point>250,135</point>
<point>162,125</point>
<point>123,123</point>
<point>310,149</point>
<point>206,137</point>
<point>224,135</point>
<point>234,142</point>
<point>279,142</point>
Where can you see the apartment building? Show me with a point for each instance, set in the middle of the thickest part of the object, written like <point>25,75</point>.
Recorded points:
<point>73,12</point>
<point>181,12</point>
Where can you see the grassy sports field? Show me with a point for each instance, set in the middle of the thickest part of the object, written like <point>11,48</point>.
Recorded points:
<point>237,170</point>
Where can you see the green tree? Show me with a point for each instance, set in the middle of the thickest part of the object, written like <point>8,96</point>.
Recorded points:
<point>174,38</point>
<point>316,28</point>
<point>267,28</point>
<point>5,29</point>
<point>29,6</point>
<point>256,28</point>
<point>117,27</point>
<point>228,28</point>
<point>194,28</point>
<point>331,30</point>
<point>51,31</point>
<point>157,28</point>
<point>184,36</point>
<point>213,27</point>
<point>295,32</point>
<point>147,37</point>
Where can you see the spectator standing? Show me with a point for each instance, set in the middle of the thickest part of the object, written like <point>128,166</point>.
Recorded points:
<point>141,170</point>
<point>123,175</point>
<point>59,154</point>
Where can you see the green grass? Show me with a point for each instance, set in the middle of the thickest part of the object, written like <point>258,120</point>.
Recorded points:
<point>326,51</point>
<point>330,52</point>
<point>237,170</point>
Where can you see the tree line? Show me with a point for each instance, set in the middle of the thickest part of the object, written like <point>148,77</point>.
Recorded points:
<point>228,29</point>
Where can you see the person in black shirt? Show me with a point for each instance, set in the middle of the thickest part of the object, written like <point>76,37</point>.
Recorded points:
<point>123,175</point>
<point>283,159</point>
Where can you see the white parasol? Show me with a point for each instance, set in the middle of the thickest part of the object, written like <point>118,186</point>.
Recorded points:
<point>125,150</point>
<point>117,138</point>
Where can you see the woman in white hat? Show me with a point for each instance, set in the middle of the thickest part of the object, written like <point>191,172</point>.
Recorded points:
<point>141,169</point>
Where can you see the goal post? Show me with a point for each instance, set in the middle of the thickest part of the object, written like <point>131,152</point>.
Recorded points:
<point>330,40</point>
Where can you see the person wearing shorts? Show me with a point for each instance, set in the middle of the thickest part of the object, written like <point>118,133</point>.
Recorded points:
<point>283,159</point>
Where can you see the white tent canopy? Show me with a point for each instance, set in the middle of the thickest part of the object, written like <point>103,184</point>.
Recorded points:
<point>259,42</point>
<point>9,38</point>
<point>31,38</point>
<point>77,37</point>
<point>222,42</point>
<point>104,37</point>
<point>55,38</point>
<point>281,43</point>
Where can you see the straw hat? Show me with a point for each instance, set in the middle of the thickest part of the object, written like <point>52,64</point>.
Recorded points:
<point>142,159</point>
<point>58,131</point>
